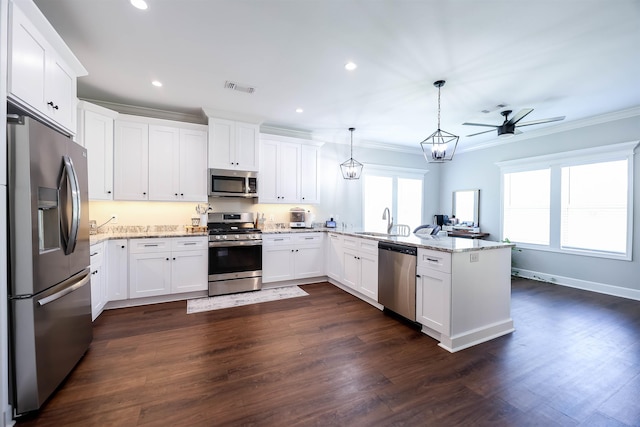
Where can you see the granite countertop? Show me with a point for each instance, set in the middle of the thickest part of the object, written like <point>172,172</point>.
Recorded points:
<point>437,243</point>
<point>143,232</point>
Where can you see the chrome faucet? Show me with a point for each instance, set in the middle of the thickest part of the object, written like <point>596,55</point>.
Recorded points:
<point>386,214</point>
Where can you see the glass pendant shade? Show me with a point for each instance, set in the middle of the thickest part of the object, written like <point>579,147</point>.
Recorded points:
<point>351,169</point>
<point>440,145</point>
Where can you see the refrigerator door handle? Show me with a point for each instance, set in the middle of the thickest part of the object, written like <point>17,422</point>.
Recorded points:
<point>71,176</point>
<point>66,291</point>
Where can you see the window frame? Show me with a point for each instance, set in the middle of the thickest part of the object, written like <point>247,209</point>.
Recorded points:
<point>394,173</point>
<point>554,163</point>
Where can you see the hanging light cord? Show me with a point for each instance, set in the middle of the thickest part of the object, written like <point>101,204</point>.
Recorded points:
<point>439,107</point>
<point>351,142</point>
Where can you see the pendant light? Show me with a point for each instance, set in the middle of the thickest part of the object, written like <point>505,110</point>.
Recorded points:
<point>440,145</point>
<point>351,169</point>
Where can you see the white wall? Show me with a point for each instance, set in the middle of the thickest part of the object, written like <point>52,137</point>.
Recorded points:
<point>342,198</point>
<point>477,169</point>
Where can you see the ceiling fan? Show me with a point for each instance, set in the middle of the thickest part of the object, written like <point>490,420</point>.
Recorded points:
<point>508,127</point>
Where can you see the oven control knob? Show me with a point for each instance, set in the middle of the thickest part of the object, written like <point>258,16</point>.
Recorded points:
<point>237,237</point>
<point>224,237</point>
<point>218,237</point>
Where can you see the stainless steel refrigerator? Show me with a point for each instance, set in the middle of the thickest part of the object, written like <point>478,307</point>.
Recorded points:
<point>49,280</point>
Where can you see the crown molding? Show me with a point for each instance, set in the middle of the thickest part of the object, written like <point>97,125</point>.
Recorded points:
<point>149,112</point>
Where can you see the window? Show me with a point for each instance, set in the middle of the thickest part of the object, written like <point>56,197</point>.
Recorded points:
<point>398,190</point>
<point>566,202</point>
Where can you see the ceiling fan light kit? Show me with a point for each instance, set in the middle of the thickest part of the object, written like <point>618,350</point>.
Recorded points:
<point>440,145</point>
<point>351,169</point>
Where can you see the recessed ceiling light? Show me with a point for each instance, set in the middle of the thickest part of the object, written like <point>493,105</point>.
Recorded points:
<point>156,83</point>
<point>140,4</point>
<point>299,110</point>
<point>350,66</point>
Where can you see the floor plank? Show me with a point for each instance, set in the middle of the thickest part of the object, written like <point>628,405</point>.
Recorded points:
<point>331,359</point>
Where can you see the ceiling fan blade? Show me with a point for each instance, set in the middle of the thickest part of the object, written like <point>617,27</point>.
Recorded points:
<point>480,133</point>
<point>521,115</point>
<point>481,124</point>
<point>537,122</point>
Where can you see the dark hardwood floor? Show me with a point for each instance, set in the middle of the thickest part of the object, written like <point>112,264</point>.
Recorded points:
<point>331,359</point>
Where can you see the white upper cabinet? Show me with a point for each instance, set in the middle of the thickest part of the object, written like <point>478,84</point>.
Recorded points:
<point>42,69</point>
<point>288,170</point>
<point>160,160</point>
<point>95,132</point>
<point>131,161</point>
<point>193,165</point>
<point>309,166</point>
<point>279,172</point>
<point>233,145</point>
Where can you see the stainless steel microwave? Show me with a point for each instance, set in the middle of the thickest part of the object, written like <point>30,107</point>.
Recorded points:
<point>229,183</point>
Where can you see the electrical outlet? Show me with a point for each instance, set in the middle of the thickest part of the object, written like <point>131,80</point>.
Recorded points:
<point>114,218</point>
<point>474,257</point>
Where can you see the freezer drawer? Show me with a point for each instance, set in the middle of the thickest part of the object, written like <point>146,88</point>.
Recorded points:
<point>51,331</point>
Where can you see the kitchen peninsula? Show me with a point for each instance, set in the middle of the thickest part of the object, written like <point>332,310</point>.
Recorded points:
<point>463,289</point>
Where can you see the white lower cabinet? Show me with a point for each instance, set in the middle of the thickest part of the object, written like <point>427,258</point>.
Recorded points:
<point>161,266</point>
<point>333,257</point>
<point>99,296</point>
<point>360,265</point>
<point>289,256</point>
<point>118,269</point>
<point>433,290</point>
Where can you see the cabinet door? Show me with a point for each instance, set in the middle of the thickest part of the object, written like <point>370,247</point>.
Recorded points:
<point>309,261</point>
<point>164,163</point>
<point>369,276</point>
<point>309,189</point>
<point>149,274</point>
<point>193,165</point>
<point>97,136</point>
<point>131,161</point>
<point>268,183</point>
<point>351,268</point>
<point>288,172</point>
<point>118,270</point>
<point>334,257</point>
<point>433,299</point>
<point>246,146</point>
<point>60,92</point>
<point>277,263</point>
<point>27,61</point>
<point>189,271</point>
<point>222,134</point>
<point>98,284</point>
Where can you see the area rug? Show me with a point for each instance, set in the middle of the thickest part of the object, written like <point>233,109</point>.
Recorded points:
<point>245,298</point>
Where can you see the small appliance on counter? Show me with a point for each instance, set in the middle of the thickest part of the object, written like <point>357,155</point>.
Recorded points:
<point>297,218</point>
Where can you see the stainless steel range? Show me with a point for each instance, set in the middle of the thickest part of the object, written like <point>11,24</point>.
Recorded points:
<point>235,253</point>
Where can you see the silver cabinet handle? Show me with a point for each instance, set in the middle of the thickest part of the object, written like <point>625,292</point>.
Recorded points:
<point>190,243</point>
<point>149,245</point>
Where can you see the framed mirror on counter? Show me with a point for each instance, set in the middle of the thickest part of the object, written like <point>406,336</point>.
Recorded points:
<point>466,206</point>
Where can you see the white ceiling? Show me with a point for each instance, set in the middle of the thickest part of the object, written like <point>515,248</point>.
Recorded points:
<point>573,58</point>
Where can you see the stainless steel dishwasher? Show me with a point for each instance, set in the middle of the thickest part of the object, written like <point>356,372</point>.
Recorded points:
<point>397,278</point>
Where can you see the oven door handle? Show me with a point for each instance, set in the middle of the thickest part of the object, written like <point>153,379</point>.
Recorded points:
<point>235,243</point>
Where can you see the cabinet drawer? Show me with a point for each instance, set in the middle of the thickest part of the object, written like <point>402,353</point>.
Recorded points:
<point>435,260</point>
<point>314,239</point>
<point>137,246</point>
<point>277,239</point>
<point>189,243</point>
<point>369,246</point>
<point>96,254</point>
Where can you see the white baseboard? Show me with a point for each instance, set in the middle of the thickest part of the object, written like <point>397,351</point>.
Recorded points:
<point>586,285</point>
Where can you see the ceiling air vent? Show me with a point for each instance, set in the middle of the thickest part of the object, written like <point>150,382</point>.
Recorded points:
<point>237,86</point>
